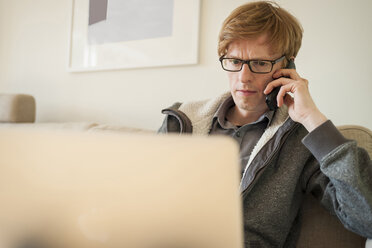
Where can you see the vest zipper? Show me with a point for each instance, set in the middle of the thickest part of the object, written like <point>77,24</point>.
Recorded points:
<point>260,171</point>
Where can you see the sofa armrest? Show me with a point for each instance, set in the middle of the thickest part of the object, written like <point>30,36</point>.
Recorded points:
<point>362,135</point>
<point>16,108</point>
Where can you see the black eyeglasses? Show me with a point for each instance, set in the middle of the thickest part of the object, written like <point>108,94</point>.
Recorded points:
<point>255,65</point>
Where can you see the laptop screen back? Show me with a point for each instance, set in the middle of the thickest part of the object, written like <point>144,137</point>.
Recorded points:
<point>68,189</point>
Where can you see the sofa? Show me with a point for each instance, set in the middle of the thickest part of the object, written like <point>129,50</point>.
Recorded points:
<point>319,228</point>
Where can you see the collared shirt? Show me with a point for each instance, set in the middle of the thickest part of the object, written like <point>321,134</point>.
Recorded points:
<point>246,135</point>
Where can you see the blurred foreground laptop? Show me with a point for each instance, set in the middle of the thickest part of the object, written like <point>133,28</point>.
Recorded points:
<point>78,190</point>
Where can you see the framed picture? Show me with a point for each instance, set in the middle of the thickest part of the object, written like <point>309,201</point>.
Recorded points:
<point>117,34</point>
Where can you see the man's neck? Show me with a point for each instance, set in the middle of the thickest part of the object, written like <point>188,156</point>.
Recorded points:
<point>240,117</point>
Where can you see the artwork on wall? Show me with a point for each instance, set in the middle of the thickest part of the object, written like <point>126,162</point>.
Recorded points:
<point>117,34</point>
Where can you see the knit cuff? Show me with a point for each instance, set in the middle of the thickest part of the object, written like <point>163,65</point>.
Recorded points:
<point>323,139</point>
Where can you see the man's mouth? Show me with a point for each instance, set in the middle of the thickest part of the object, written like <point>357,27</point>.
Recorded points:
<point>246,92</point>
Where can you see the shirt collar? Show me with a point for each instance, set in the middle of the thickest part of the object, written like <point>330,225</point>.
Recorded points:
<point>227,104</point>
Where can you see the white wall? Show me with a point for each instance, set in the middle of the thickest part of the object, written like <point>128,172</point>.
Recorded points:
<point>336,58</point>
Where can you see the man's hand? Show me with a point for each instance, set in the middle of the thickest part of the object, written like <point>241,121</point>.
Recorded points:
<point>301,106</point>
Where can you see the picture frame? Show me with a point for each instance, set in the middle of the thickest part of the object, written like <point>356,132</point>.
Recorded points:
<point>178,48</point>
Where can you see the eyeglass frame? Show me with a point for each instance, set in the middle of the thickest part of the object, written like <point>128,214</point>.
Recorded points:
<point>273,62</point>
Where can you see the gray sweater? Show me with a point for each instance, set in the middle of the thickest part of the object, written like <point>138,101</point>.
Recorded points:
<point>286,164</point>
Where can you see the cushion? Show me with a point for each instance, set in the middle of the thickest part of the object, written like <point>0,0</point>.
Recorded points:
<point>17,108</point>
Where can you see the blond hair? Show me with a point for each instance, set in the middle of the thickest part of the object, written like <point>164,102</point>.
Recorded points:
<point>264,17</point>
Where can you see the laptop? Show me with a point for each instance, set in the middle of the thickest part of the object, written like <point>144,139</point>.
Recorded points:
<point>77,190</point>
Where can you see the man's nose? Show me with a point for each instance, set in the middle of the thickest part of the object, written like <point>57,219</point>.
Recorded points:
<point>245,74</point>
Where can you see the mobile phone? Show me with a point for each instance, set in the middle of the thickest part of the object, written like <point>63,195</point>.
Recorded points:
<point>271,97</point>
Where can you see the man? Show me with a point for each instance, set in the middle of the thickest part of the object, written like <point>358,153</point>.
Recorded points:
<point>287,152</point>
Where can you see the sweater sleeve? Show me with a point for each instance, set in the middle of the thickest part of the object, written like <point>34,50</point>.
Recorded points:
<point>348,167</point>
<point>323,140</point>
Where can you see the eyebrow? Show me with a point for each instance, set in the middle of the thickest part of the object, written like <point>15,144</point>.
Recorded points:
<point>235,57</point>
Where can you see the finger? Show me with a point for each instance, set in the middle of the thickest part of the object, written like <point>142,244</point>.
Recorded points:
<point>276,83</point>
<point>282,93</point>
<point>288,100</point>
<point>289,73</point>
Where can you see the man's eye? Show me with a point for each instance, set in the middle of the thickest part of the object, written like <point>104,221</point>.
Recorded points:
<point>235,61</point>
<point>259,63</point>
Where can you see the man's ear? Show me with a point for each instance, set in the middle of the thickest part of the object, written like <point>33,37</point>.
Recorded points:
<point>287,61</point>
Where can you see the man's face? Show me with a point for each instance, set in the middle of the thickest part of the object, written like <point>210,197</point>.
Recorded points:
<point>247,87</point>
